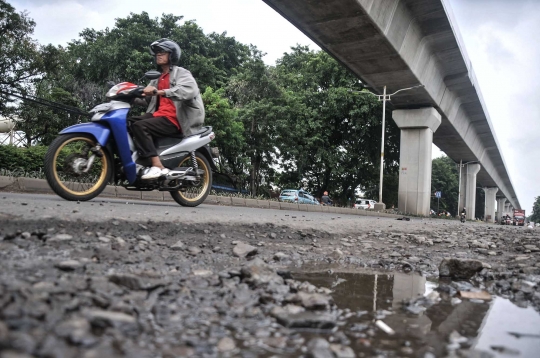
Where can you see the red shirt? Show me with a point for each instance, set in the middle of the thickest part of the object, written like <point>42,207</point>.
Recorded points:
<point>166,107</point>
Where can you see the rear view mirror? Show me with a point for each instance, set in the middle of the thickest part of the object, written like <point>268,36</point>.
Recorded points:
<point>152,75</point>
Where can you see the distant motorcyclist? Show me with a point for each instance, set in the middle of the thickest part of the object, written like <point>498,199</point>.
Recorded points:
<point>463,215</point>
<point>174,106</point>
<point>326,199</point>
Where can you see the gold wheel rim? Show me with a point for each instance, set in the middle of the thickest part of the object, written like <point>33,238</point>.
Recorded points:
<point>84,186</point>
<point>201,188</point>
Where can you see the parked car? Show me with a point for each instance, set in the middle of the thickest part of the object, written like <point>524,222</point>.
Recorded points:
<point>365,204</point>
<point>297,197</point>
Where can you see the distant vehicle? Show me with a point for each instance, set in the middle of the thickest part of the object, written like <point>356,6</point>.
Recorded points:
<point>297,197</point>
<point>223,183</point>
<point>519,217</point>
<point>506,220</point>
<point>364,204</point>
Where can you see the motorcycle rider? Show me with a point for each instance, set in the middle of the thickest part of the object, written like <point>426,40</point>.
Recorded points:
<point>326,199</point>
<point>174,102</point>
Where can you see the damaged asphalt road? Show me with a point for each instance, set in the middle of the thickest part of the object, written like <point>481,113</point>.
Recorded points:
<point>106,279</point>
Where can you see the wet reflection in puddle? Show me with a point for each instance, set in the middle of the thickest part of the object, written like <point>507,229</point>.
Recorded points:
<point>485,325</point>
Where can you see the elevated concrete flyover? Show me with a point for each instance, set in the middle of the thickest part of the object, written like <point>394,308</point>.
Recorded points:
<point>404,43</point>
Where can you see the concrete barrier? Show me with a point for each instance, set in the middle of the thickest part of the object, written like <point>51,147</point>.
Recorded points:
<point>303,207</point>
<point>238,201</point>
<point>109,191</point>
<point>314,209</point>
<point>264,204</point>
<point>34,185</point>
<point>274,205</point>
<point>127,194</point>
<point>211,199</point>
<point>224,200</point>
<point>251,203</point>
<point>7,181</point>
<point>152,195</point>
<point>288,206</point>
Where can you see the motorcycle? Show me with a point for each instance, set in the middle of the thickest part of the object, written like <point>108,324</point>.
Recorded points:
<point>85,157</point>
<point>462,217</point>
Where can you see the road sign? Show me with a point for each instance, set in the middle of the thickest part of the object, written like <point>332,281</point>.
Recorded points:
<point>438,194</point>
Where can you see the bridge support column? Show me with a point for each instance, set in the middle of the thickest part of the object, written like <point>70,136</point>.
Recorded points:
<point>490,204</point>
<point>500,207</point>
<point>417,128</point>
<point>468,189</point>
<point>507,208</point>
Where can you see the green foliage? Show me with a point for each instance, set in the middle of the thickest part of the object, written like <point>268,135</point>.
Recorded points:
<point>229,131</point>
<point>122,53</point>
<point>535,217</point>
<point>445,178</point>
<point>22,159</point>
<point>331,140</point>
<point>19,59</point>
<point>42,124</point>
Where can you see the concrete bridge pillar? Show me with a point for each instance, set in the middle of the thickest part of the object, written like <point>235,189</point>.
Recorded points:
<point>500,207</point>
<point>417,128</point>
<point>468,189</point>
<point>490,204</point>
<point>507,208</point>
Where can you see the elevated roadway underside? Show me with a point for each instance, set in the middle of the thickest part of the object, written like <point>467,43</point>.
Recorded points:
<point>403,43</point>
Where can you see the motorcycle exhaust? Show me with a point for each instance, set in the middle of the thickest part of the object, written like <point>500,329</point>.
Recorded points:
<point>183,173</point>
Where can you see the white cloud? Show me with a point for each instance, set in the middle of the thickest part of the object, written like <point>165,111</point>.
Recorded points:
<point>505,63</point>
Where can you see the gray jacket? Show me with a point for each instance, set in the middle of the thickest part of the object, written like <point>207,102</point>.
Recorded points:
<point>186,96</point>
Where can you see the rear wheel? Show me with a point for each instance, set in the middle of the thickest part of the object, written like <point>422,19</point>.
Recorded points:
<point>65,164</point>
<point>195,192</point>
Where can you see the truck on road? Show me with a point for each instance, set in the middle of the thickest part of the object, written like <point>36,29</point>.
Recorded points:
<point>519,217</point>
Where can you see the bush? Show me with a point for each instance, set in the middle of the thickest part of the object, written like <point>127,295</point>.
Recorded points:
<point>22,159</point>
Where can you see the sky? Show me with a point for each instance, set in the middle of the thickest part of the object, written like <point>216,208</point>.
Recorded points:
<point>499,37</point>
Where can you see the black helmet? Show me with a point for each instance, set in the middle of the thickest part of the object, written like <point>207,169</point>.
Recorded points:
<point>168,46</point>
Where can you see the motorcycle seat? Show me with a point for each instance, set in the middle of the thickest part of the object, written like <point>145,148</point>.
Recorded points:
<point>163,142</point>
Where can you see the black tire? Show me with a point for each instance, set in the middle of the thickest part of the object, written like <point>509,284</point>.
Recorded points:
<point>187,198</point>
<point>101,170</point>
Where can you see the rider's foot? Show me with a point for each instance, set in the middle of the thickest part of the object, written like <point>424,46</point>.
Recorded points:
<point>154,172</point>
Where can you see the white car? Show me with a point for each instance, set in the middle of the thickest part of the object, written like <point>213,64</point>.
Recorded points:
<point>365,204</point>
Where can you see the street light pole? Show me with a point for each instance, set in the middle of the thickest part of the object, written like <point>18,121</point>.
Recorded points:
<point>382,144</point>
<point>384,97</point>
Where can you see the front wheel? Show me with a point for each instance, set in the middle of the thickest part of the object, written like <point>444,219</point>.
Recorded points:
<point>195,192</point>
<point>66,167</point>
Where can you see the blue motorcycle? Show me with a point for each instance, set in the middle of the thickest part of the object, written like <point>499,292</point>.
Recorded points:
<point>86,157</point>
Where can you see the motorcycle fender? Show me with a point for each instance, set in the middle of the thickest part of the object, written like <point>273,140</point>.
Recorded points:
<point>205,150</point>
<point>98,131</point>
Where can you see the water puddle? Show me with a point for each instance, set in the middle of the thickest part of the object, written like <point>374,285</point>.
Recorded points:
<point>498,326</point>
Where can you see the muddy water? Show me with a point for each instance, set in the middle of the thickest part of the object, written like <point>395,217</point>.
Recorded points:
<point>498,327</point>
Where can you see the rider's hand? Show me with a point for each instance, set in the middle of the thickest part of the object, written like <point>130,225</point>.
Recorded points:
<point>150,91</point>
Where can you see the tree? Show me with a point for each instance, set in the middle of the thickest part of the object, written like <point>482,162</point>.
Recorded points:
<point>331,140</point>
<point>19,59</point>
<point>535,217</point>
<point>261,107</point>
<point>445,178</point>
<point>229,131</point>
<point>122,53</point>
<point>42,124</point>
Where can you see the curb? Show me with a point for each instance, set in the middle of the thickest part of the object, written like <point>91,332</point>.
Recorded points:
<point>31,185</point>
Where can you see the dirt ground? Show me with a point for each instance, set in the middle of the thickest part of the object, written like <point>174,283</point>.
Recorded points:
<point>75,286</point>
